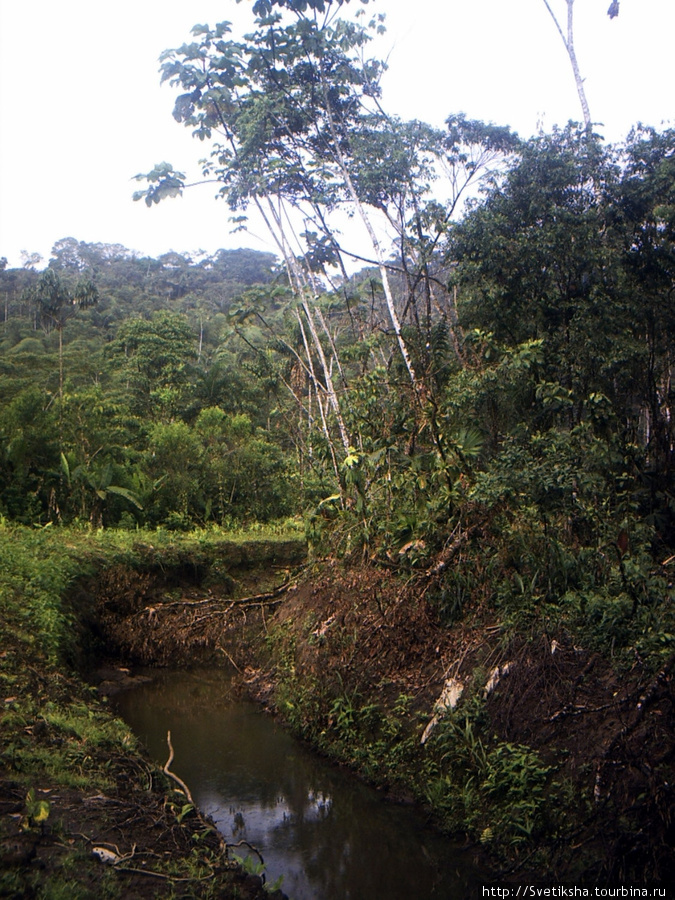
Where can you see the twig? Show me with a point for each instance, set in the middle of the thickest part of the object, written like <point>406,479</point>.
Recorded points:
<point>250,847</point>
<point>179,781</point>
<point>230,659</point>
<point>162,875</point>
<point>580,710</point>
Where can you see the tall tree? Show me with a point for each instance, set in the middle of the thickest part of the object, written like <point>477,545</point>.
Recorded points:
<point>297,132</point>
<point>57,302</point>
<point>567,38</point>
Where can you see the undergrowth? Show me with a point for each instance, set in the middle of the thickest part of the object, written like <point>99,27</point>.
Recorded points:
<point>494,791</point>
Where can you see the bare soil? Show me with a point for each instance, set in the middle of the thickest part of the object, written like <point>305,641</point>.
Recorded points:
<point>610,734</point>
<point>151,855</point>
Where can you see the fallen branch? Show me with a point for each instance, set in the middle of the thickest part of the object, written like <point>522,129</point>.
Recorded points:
<point>163,875</point>
<point>254,600</point>
<point>179,781</point>
<point>448,553</point>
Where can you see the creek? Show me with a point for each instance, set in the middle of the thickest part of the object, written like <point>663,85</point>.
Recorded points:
<point>331,836</point>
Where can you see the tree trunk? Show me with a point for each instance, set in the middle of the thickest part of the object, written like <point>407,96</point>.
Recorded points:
<point>568,41</point>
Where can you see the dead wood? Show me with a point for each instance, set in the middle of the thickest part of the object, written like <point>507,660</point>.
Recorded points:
<point>179,781</point>
<point>448,553</point>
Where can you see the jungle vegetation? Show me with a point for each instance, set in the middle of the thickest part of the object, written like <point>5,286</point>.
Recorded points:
<point>534,395</point>
<point>477,390</point>
<point>506,357</point>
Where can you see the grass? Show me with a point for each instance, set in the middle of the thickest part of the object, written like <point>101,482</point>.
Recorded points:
<point>41,629</point>
<point>54,735</point>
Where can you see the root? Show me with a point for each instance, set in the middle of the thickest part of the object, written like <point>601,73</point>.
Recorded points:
<point>250,847</point>
<point>643,704</point>
<point>223,651</point>
<point>179,781</point>
<point>269,598</point>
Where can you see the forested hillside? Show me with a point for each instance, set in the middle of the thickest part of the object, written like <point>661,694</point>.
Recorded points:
<point>478,412</point>
<point>537,327</point>
<point>160,416</point>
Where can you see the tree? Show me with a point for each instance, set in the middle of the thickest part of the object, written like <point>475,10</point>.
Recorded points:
<point>57,302</point>
<point>29,456</point>
<point>156,357</point>
<point>568,40</point>
<point>297,132</point>
<point>538,260</point>
<point>646,214</point>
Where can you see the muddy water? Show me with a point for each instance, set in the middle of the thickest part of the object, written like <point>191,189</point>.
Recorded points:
<point>331,837</point>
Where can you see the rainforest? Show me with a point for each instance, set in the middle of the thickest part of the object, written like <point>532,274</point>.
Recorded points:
<point>419,496</point>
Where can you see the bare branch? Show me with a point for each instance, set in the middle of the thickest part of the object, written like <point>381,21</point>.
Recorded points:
<point>568,41</point>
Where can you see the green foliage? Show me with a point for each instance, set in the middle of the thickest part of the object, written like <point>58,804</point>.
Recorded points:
<point>93,456</point>
<point>490,410</point>
<point>495,793</point>
<point>33,578</point>
<point>36,811</point>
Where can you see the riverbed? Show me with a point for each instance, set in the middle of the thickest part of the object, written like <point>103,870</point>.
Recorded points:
<point>329,835</point>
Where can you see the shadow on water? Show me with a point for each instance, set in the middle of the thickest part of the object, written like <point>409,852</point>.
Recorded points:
<point>331,836</point>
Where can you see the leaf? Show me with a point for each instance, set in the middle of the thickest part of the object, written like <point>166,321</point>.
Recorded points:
<point>41,812</point>
<point>187,808</point>
<point>123,492</point>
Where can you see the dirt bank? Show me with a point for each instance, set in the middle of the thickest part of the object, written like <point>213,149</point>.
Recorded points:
<point>187,608</point>
<point>566,764</point>
<point>83,812</point>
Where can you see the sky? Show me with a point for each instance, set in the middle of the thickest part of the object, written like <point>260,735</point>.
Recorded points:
<point>82,110</point>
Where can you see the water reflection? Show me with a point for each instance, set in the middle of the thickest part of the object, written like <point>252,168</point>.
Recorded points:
<point>329,835</point>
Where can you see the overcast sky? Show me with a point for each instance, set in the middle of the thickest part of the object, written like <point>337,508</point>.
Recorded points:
<point>81,109</point>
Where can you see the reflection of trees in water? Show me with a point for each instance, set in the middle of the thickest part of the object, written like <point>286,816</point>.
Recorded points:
<point>270,789</point>
<point>355,846</point>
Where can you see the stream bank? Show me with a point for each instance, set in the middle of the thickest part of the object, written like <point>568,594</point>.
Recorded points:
<point>553,759</point>
<point>327,834</point>
<point>556,759</point>
<point>84,814</point>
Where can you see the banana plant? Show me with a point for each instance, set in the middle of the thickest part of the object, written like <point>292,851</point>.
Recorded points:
<point>99,482</point>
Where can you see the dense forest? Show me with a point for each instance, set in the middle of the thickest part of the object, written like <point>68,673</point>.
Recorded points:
<point>136,406</point>
<point>484,403</point>
<point>537,328</point>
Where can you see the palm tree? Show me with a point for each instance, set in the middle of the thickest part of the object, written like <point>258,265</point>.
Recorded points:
<point>57,303</point>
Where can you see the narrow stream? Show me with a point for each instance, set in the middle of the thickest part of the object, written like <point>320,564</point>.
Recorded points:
<point>329,835</point>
